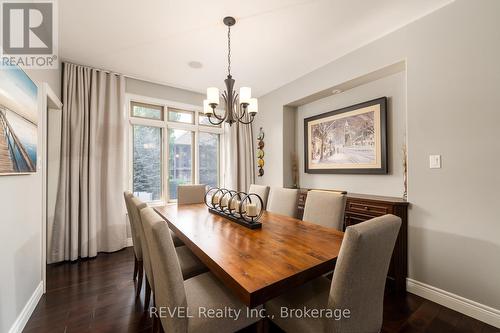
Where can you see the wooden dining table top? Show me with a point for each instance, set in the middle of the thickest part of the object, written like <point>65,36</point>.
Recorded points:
<point>260,264</point>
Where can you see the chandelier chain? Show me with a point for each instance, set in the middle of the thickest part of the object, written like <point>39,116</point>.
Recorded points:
<point>229,50</point>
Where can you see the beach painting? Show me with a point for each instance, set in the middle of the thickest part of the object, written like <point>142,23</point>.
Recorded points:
<point>349,140</point>
<point>18,121</point>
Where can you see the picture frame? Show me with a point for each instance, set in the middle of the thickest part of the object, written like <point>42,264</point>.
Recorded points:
<point>19,119</point>
<point>350,140</point>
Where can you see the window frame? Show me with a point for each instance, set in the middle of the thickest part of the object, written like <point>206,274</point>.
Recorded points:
<point>194,114</point>
<point>165,124</point>
<point>160,108</point>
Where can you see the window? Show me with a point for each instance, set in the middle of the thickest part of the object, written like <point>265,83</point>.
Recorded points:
<point>147,157</point>
<point>180,116</point>
<point>147,111</point>
<point>170,146</point>
<point>180,159</point>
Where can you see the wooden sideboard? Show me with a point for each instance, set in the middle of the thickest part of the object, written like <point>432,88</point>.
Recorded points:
<point>362,207</point>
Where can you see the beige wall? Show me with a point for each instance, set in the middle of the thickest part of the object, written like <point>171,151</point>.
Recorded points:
<point>21,230</point>
<point>453,77</point>
<point>155,90</point>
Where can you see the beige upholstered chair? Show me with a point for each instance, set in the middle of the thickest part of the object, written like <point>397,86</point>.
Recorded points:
<point>190,264</point>
<point>204,291</point>
<point>262,191</point>
<point>358,283</point>
<point>191,194</point>
<point>283,201</point>
<point>136,241</point>
<point>325,208</point>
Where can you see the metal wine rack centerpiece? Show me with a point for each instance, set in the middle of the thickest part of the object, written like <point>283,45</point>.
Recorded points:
<point>240,207</point>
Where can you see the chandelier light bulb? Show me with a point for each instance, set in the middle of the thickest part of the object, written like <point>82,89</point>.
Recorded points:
<point>245,95</point>
<point>213,95</point>
<point>253,106</point>
<point>207,109</point>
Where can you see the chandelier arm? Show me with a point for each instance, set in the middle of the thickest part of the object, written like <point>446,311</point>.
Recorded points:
<point>247,122</point>
<point>225,110</point>
<point>215,123</point>
<point>236,105</point>
<point>243,113</point>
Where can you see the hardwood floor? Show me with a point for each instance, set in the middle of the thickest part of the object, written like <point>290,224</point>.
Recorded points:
<point>98,295</point>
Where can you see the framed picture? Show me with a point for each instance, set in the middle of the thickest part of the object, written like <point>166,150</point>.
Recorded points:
<point>18,121</point>
<point>348,140</point>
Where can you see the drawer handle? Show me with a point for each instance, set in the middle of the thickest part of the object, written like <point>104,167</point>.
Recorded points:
<point>367,208</point>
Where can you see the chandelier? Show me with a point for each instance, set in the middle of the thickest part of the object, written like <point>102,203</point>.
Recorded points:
<point>240,107</point>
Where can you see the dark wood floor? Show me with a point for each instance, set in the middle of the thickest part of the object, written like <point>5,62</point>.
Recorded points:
<point>98,295</point>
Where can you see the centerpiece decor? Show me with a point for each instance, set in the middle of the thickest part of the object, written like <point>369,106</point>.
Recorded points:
<point>240,207</point>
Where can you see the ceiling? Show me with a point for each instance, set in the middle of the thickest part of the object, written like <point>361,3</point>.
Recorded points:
<point>273,42</point>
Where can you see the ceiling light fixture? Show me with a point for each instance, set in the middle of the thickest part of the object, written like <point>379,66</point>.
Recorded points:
<point>195,64</point>
<point>237,106</point>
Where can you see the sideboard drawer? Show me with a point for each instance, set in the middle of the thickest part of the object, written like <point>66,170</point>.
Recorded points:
<point>367,208</point>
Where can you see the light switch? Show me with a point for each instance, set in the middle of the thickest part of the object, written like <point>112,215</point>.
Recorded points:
<point>435,161</point>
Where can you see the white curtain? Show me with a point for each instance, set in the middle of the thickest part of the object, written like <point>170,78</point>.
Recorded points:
<point>89,207</point>
<point>239,156</point>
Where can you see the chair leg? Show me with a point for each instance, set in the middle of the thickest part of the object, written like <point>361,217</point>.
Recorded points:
<point>136,268</point>
<point>147,296</point>
<point>139,280</point>
<point>156,329</point>
<point>263,326</point>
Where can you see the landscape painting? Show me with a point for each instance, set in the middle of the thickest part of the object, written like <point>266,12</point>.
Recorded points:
<point>18,121</point>
<point>349,140</point>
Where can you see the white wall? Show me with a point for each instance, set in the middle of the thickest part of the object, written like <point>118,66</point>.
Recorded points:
<point>453,80</point>
<point>21,231</point>
<point>391,184</point>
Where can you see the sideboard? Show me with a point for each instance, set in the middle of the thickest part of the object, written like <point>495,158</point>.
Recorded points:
<point>362,207</point>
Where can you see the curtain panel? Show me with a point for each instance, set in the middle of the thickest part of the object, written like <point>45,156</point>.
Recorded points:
<point>89,206</point>
<point>239,156</point>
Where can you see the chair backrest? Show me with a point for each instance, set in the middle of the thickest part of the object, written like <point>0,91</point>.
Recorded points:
<point>262,191</point>
<point>325,208</point>
<point>136,240</point>
<point>283,201</point>
<point>138,205</point>
<point>169,283</point>
<point>191,194</point>
<point>360,273</point>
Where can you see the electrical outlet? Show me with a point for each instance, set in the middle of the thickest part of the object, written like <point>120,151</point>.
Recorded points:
<point>435,161</point>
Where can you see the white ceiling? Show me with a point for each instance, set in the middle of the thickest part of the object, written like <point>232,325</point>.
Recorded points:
<point>273,41</point>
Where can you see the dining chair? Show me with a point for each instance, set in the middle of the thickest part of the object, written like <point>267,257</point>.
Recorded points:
<point>283,201</point>
<point>191,194</point>
<point>190,264</point>
<point>326,208</point>
<point>356,293</point>
<point>262,191</point>
<point>196,294</point>
<point>136,241</point>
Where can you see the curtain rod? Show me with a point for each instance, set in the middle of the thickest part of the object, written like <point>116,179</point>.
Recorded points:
<point>92,67</point>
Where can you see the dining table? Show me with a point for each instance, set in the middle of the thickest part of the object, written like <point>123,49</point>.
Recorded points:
<point>255,264</point>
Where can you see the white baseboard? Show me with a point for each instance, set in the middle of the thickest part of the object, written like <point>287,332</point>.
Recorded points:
<point>130,242</point>
<point>28,309</point>
<point>460,304</point>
